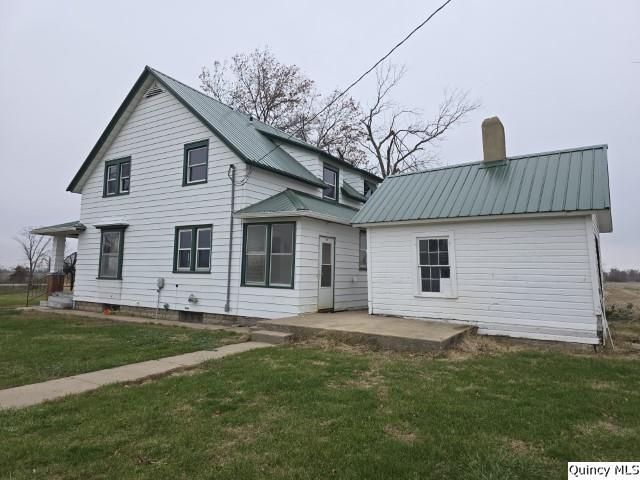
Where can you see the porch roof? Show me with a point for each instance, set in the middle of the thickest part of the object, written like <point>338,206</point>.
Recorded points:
<point>292,203</point>
<point>68,229</point>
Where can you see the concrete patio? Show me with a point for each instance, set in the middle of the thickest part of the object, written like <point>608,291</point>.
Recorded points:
<point>357,326</point>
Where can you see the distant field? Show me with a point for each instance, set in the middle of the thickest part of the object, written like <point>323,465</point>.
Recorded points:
<point>622,293</point>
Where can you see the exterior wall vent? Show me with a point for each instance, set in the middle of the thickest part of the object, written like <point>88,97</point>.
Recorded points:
<point>153,91</point>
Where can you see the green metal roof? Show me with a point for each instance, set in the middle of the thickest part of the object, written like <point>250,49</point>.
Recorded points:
<point>233,127</point>
<point>285,137</point>
<point>350,191</point>
<point>293,202</point>
<point>562,181</point>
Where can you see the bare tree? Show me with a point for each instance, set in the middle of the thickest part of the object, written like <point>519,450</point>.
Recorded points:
<point>282,96</point>
<point>397,138</point>
<point>35,249</point>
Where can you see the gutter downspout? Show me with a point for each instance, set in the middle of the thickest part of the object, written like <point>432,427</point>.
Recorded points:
<point>232,175</point>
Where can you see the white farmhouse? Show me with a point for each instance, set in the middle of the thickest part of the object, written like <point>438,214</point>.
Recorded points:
<point>511,245</point>
<point>200,212</point>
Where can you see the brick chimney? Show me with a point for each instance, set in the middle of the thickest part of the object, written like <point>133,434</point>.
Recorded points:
<point>493,144</point>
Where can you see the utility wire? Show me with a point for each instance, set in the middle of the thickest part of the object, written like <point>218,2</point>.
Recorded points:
<point>361,77</point>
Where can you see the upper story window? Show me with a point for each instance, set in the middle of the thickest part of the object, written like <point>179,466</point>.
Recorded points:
<point>330,177</point>
<point>111,253</point>
<point>192,251</point>
<point>117,177</point>
<point>369,188</point>
<point>196,163</point>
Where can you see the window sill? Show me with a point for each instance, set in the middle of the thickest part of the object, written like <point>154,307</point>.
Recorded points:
<point>108,278</point>
<point>191,271</point>
<point>267,286</point>
<point>435,295</point>
<point>115,195</point>
<point>190,184</point>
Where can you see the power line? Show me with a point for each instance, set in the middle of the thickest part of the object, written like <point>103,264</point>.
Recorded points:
<point>371,69</point>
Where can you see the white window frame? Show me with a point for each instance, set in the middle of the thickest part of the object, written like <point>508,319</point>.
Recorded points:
<point>188,248</point>
<point>116,181</point>
<point>290,254</point>
<point>190,166</point>
<point>199,249</point>
<point>452,291</point>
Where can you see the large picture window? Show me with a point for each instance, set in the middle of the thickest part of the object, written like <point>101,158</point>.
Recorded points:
<point>433,264</point>
<point>268,254</point>
<point>111,253</point>
<point>330,178</point>
<point>117,177</point>
<point>192,252</point>
<point>196,162</point>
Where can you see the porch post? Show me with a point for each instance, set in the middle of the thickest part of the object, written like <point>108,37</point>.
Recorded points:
<point>57,253</point>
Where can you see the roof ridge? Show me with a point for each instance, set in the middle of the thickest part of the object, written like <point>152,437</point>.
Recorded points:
<point>155,71</point>
<point>517,157</point>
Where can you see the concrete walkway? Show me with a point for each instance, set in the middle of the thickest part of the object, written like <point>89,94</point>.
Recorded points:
<point>129,319</point>
<point>33,394</point>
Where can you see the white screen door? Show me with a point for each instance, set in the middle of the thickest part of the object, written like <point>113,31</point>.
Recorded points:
<point>327,273</point>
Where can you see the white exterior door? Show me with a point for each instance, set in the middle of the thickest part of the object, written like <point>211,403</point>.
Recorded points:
<point>327,273</point>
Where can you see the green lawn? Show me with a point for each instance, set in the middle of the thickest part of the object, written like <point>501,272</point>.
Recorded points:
<point>14,298</point>
<point>306,412</point>
<point>38,346</point>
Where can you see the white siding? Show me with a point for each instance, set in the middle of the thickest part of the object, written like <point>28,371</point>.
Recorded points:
<point>350,282</point>
<point>154,137</point>
<point>523,278</point>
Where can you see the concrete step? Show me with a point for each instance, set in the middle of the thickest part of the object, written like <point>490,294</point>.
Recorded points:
<point>268,336</point>
<point>58,302</point>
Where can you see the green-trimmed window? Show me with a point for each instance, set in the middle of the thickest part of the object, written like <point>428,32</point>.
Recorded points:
<point>111,253</point>
<point>330,176</point>
<point>117,177</point>
<point>362,258</point>
<point>269,254</point>
<point>196,163</point>
<point>192,250</point>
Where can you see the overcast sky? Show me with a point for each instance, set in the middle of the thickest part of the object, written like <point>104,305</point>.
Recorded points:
<point>558,74</point>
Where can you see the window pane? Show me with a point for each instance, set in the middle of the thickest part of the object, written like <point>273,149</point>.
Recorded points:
<point>326,253</point>
<point>281,238</point>
<point>433,245</point>
<point>124,185</point>
<point>204,238</point>
<point>435,285</point>
<point>184,258</point>
<point>443,245</point>
<point>256,239</point>
<point>425,272</point>
<point>112,187</point>
<point>197,173</point>
<point>184,239</point>
<point>109,265</point>
<point>325,276</point>
<point>203,258</point>
<point>444,258</point>
<point>330,177</point>
<point>197,156</point>
<point>112,172</point>
<point>424,258</point>
<point>445,272</point>
<point>110,242</point>
<point>125,169</point>
<point>255,269</point>
<point>362,260</point>
<point>363,240</point>
<point>423,245</point>
<point>281,269</point>
<point>433,258</point>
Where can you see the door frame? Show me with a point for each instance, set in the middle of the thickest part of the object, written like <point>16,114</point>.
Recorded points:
<point>333,273</point>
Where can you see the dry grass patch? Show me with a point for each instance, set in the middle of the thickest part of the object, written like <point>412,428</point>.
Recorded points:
<point>522,448</point>
<point>402,433</point>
